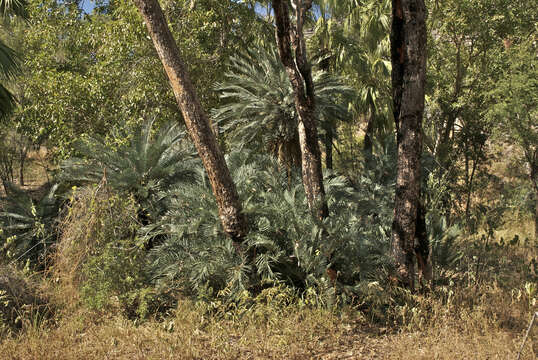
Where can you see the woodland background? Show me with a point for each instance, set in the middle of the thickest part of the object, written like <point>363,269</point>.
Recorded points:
<point>113,243</point>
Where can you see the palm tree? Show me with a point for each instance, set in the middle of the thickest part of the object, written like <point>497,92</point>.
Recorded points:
<point>261,112</point>
<point>355,37</point>
<point>9,61</point>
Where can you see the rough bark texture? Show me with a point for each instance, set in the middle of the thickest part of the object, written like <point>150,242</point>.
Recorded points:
<point>423,249</point>
<point>300,75</point>
<point>408,56</point>
<point>329,148</point>
<point>196,120</point>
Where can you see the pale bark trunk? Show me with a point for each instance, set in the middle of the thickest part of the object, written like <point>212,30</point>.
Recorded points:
<point>408,55</point>
<point>196,120</point>
<point>300,75</point>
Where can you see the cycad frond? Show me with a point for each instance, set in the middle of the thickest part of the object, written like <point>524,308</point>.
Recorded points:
<point>261,112</point>
<point>27,225</point>
<point>150,163</point>
<point>284,242</point>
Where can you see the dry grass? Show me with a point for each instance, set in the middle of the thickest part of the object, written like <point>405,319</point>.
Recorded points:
<point>284,334</point>
<point>482,322</point>
<point>461,320</point>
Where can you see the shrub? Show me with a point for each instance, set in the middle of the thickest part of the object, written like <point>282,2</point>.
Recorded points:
<point>99,255</point>
<point>27,226</point>
<point>152,161</point>
<point>20,301</point>
<point>285,243</point>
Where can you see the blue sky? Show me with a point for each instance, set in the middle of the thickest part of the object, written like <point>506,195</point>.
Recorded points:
<point>88,5</point>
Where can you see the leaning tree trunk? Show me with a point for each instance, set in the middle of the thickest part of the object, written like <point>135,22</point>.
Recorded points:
<point>196,120</point>
<point>300,75</point>
<point>408,56</point>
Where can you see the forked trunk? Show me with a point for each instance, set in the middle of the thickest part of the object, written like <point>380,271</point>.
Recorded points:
<point>408,56</point>
<point>196,120</point>
<point>300,75</point>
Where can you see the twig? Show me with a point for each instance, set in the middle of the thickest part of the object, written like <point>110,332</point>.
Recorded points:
<point>527,335</point>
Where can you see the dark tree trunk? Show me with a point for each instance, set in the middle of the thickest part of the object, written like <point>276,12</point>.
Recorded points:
<point>423,248</point>
<point>21,173</point>
<point>329,148</point>
<point>408,56</point>
<point>196,120</point>
<point>300,75</point>
<point>369,137</point>
<point>23,152</point>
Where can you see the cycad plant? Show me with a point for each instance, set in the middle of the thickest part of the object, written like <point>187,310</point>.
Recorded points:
<point>151,162</point>
<point>284,244</point>
<point>260,112</point>
<point>9,62</point>
<point>27,226</point>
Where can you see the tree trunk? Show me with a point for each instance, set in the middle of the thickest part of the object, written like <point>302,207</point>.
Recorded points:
<point>21,172</point>
<point>329,148</point>
<point>423,248</point>
<point>196,120</point>
<point>408,56</point>
<point>536,216</point>
<point>369,137</point>
<point>300,75</point>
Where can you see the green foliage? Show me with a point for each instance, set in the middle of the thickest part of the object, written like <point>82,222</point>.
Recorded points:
<point>101,256</point>
<point>9,59</point>
<point>85,74</point>
<point>149,163</point>
<point>27,226</point>
<point>515,111</point>
<point>114,277</point>
<point>284,244</point>
<point>261,112</point>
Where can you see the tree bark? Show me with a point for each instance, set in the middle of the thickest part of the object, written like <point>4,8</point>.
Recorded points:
<point>408,56</point>
<point>300,75</point>
<point>329,148</point>
<point>196,120</point>
<point>536,216</point>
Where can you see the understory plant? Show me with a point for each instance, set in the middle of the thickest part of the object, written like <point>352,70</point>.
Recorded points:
<point>151,161</point>
<point>99,255</point>
<point>27,226</point>
<point>285,243</point>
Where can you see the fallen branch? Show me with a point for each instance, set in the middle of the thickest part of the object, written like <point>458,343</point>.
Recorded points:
<point>527,335</point>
